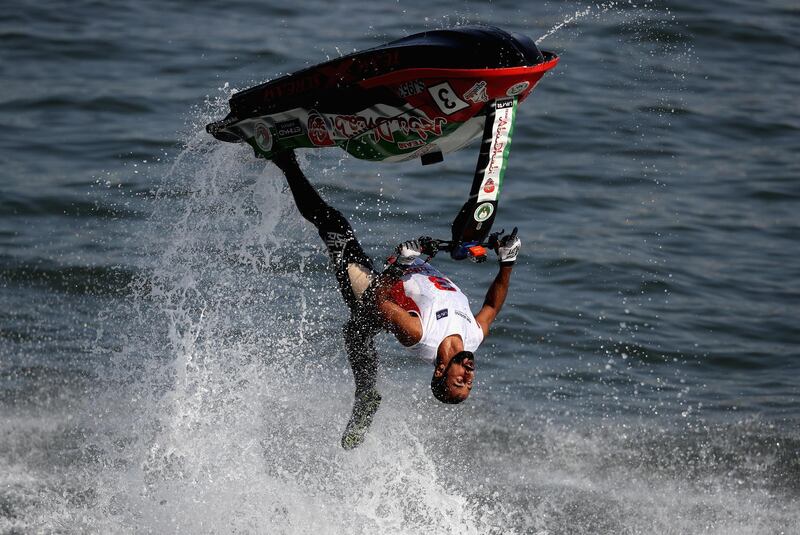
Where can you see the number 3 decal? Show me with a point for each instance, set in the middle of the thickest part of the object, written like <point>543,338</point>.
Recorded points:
<point>449,104</point>
<point>446,99</point>
<point>442,284</point>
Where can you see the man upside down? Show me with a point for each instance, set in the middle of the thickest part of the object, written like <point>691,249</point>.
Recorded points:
<point>423,309</point>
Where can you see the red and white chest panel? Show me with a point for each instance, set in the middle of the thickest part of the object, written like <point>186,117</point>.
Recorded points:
<point>441,307</point>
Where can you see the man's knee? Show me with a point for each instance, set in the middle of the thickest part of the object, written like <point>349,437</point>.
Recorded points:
<point>359,277</point>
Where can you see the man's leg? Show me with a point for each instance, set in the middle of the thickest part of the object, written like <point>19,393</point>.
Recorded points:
<point>358,338</point>
<point>358,341</point>
<point>354,272</point>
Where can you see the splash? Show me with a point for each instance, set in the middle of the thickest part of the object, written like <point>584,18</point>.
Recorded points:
<point>594,10</point>
<point>224,404</point>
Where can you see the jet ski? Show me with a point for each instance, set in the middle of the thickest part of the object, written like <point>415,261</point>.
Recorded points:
<point>421,96</point>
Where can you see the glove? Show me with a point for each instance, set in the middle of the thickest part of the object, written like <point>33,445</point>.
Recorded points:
<point>507,248</point>
<point>409,250</point>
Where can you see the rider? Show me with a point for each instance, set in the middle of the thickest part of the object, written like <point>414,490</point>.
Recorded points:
<point>425,311</point>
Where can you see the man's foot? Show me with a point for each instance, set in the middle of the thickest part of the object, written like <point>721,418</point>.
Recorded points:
<point>364,408</point>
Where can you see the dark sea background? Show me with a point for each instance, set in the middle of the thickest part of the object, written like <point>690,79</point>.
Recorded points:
<point>170,349</point>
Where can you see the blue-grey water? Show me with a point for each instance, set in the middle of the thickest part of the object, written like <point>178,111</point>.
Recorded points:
<point>170,353</point>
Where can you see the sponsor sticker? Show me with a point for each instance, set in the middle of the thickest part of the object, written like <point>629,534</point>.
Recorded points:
<point>262,136</point>
<point>498,150</point>
<point>288,128</point>
<point>517,88</point>
<point>446,99</point>
<point>477,93</point>
<point>483,212</point>
<point>504,103</point>
<point>441,313</point>
<point>318,131</point>
<point>410,88</point>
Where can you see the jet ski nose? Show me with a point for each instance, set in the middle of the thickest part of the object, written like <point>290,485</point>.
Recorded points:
<point>220,130</point>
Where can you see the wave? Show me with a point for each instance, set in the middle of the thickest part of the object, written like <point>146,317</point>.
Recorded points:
<point>72,102</point>
<point>80,279</point>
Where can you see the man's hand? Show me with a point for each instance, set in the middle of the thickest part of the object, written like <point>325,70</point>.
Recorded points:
<point>409,250</point>
<point>508,248</point>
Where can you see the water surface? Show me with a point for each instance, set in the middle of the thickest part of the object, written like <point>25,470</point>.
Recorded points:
<point>170,353</point>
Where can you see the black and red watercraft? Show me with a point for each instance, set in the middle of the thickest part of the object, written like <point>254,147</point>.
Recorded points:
<point>418,97</point>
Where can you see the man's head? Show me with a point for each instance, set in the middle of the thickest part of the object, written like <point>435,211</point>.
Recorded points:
<point>453,376</point>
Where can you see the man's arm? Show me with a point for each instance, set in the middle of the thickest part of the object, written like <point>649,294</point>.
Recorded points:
<point>507,249</point>
<point>495,298</point>
<point>405,327</point>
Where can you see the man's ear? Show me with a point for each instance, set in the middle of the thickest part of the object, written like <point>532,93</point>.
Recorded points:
<point>438,372</point>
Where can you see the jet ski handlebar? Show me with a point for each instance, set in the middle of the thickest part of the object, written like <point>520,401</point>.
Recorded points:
<point>475,251</point>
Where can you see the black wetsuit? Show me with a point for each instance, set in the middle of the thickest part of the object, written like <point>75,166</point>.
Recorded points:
<point>344,251</point>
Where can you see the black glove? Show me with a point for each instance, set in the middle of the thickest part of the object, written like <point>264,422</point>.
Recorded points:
<point>508,248</point>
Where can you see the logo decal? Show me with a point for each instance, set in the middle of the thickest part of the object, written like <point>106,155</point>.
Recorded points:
<point>288,128</point>
<point>477,93</point>
<point>488,186</point>
<point>318,130</point>
<point>336,242</point>
<point>516,89</point>
<point>463,315</point>
<point>441,313</point>
<point>447,100</point>
<point>504,103</point>
<point>410,144</point>
<point>512,253</point>
<point>262,137</point>
<point>410,88</point>
<point>483,212</point>
<point>383,128</point>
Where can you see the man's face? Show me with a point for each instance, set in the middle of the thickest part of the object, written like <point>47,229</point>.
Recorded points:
<point>459,376</point>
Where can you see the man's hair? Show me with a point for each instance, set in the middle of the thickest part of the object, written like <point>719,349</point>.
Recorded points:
<point>438,384</point>
<point>439,389</point>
